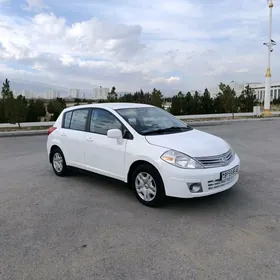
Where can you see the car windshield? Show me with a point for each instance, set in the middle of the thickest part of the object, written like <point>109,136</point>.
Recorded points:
<point>152,121</point>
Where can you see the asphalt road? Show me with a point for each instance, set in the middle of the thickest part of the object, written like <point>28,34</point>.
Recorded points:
<point>88,227</point>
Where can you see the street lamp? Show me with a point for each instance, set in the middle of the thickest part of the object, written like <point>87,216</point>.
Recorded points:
<point>269,45</point>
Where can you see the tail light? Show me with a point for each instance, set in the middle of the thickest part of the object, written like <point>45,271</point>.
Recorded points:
<point>51,129</point>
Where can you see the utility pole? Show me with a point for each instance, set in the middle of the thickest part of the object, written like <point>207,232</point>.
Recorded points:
<point>269,45</point>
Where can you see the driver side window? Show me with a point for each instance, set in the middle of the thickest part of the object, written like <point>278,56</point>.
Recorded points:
<point>102,120</point>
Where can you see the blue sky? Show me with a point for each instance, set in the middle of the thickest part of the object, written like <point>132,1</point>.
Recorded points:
<point>172,45</point>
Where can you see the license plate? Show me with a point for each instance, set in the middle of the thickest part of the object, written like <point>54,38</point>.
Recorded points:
<point>225,175</point>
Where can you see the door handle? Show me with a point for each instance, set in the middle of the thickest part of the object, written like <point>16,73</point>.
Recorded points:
<point>63,134</point>
<point>89,139</point>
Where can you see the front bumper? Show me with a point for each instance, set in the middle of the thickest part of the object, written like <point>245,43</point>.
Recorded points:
<point>176,180</point>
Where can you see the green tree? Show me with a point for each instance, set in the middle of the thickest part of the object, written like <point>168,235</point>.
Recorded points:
<point>2,112</point>
<point>156,98</point>
<point>175,107</point>
<point>206,103</point>
<point>7,102</point>
<point>6,91</point>
<point>275,101</point>
<point>36,110</point>
<point>55,107</point>
<point>228,99</point>
<point>247,100</point>
<point>177,104</point>
<point>112,95</point>
<point>217,105</point>
<point>188,104</point>
<point>77,101</point>
<point>196,103</point>
<point>14,110</point>
<point>19,110</point>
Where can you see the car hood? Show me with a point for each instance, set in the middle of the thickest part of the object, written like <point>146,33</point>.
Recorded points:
<point>194,143</point>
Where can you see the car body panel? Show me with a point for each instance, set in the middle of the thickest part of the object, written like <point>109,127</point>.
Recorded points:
<point>194,143</point>
<point>114,157</point>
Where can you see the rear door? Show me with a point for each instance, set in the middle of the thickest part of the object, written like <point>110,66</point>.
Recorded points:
<point>72,136</point>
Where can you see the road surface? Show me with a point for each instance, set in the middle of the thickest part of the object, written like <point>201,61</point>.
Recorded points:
<point>88,227</point>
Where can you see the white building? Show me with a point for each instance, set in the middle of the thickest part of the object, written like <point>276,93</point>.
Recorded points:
<point>236,86</point>
<point>27,94</point>
<point>100,93</point>
<point>74,93</point>
<point>53,94</point>
<point>260,90</point>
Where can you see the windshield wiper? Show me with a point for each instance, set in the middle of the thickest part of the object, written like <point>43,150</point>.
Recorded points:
<point>168,129</point>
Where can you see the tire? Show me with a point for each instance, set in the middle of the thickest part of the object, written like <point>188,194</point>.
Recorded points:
<point>148,186</point>
<point>58,163</point>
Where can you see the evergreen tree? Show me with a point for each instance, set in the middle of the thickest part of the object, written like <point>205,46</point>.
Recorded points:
<point>55,107</point>
<point>206,103</point>
<point>14,109</point>
<point>6,91</point>
<point>36,109</point>
<point>228,99</point>
<point>247,100</point>
<point>112,95</point>
<point>156,98</point>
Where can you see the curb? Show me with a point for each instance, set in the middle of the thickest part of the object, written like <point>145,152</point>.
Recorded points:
<point>23,133</point>
<point>192,124</point>
<point>228,122</point>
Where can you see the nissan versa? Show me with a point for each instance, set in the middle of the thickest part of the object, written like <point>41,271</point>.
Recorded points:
<point>145,146</point>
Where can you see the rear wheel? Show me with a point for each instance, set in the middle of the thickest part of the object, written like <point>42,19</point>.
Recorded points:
<point>58,162</point>
<point>148,186</point>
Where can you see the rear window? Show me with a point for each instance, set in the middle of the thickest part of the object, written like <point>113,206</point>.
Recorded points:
<point>76,119</point>
<point>67,119</point>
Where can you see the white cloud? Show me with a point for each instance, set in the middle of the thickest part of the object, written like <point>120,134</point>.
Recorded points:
<point>162,80</point>
<point>34,5</point>
<point>172,45</point>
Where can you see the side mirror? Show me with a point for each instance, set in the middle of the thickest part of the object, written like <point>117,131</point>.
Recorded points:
<point>114,133</point>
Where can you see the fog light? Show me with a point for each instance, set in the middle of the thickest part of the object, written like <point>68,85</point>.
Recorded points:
<point>195,187</point>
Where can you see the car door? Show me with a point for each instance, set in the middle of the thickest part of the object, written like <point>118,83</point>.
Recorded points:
<point>104,155</point>
<point>72,136</point>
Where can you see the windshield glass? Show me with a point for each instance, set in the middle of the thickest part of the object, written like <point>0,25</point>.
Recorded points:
<point>152,121</point>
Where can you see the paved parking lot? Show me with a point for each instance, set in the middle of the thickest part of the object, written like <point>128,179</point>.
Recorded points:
<point>89,227</point>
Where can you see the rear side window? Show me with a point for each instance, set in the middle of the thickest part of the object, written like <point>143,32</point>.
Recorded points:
<point>76,119</point>
<point>67,119</point>
<point>79,119</point>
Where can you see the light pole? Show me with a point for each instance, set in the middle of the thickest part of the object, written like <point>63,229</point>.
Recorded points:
<point>269,45</point>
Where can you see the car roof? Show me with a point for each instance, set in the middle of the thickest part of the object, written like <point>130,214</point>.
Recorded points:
<point>114,106</point>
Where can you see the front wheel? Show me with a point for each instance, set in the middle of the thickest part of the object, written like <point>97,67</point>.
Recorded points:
<point>148,186</point>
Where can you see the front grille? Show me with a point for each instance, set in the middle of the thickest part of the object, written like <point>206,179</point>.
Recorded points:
<point>218,183</point>
<point>216,161</point>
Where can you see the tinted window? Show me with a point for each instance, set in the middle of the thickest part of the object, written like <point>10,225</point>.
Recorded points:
<point>151,119</point>
<point>67,119</point>
<point>102,120</point>
<point>79,119</point>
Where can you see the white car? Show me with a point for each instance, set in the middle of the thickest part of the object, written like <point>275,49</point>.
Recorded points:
<point>144,146</point>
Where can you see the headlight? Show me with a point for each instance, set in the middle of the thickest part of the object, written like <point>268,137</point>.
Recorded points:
<point>180,160</point>
<point>232,151</point>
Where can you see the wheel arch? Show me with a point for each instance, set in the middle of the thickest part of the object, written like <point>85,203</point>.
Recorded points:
<point>134,165</point>
<point>53,148</point>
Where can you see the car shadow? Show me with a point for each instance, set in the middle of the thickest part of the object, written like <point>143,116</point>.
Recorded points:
<point>101,181</point>
<point>226,199</point>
